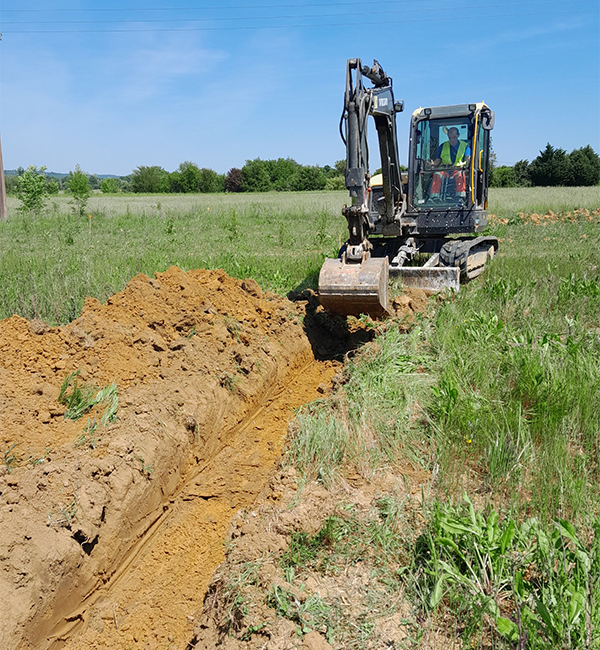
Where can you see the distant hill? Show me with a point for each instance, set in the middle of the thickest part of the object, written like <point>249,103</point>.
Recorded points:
<point>13,172</point>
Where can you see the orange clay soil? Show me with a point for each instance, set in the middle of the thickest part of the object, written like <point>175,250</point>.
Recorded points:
<point>109,538</point>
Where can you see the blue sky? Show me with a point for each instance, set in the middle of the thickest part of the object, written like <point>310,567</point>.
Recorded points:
<point>113,85</point>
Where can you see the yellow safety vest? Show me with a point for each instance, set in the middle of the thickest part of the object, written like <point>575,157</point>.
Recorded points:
<point>446,156</point>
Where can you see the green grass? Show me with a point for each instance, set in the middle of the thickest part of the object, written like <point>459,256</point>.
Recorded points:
<point>151,205</point>
<point>507,201</point>
<point>503,408</point>
<point>373,421</point>
<point>510,584</point>
<point>519,358</point>
<point>495,391</point>
<point>50,264</point>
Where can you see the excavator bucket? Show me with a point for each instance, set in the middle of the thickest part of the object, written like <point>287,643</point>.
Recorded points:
<point>352,289</point>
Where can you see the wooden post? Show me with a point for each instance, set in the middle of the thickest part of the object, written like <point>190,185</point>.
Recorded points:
<point>3,211</point>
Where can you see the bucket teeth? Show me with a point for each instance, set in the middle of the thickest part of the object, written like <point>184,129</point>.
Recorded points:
<point>355,288</point>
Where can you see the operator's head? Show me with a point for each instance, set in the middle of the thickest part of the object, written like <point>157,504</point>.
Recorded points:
<point>453,134</point>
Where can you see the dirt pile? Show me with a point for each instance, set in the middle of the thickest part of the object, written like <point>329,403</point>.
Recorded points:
<point>194,356</point>
<point>112,527</point>
<point>581,214</point>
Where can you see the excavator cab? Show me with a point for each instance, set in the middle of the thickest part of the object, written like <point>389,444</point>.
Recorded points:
<point>449,155</point>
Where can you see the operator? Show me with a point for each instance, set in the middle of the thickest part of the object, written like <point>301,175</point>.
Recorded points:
<point>455,154</point>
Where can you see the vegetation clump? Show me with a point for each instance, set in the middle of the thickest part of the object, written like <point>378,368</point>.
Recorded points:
<point>524,583</point>
<point>81,399</point>
<point>32,191</point>
<point>80,190</point>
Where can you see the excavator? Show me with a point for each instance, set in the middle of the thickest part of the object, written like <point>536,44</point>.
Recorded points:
<point>432,213</point>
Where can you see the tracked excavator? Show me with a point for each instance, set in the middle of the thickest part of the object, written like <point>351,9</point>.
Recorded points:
<point>422,224</point>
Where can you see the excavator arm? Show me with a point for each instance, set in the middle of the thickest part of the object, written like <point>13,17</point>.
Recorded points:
<point>359,104</point>
<point>356,282</point>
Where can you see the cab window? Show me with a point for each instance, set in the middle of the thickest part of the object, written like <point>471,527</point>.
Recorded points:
<point>444,184</point>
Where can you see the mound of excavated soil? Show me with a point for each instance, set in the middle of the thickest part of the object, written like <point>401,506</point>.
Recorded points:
<point>196,358</point>
<point>110,531</point>
<point>582,214</point>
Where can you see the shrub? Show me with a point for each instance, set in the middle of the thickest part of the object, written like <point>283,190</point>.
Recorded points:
<point>110,186</point>
<point>31,190</point>
<point>79,188</point>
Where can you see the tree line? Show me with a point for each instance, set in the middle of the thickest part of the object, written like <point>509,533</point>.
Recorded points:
<point>553,167</point>
<point>282,174</point>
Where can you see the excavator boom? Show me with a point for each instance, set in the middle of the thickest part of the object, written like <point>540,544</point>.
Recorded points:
<point>357,282</point>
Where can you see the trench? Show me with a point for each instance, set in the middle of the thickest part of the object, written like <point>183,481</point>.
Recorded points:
<point>154,596</point>
<point>111,542</point>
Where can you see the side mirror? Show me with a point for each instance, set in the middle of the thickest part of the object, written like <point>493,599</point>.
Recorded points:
<point>488,119</point>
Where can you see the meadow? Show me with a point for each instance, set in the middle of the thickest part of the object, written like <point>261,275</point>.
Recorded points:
<point>494,392</point>
<point>50,263</point>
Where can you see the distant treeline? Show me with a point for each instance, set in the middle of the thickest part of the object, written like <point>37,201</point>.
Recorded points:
<point>552,168</point>
<point>283,174</point>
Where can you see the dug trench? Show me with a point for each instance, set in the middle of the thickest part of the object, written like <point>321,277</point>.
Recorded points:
<point>113,523</point>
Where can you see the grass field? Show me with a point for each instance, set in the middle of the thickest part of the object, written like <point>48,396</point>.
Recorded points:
<point>507,201</point>
<point>495,391</point>
<point>49,264</point>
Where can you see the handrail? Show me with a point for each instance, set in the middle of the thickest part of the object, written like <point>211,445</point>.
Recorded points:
<point>473,160</point>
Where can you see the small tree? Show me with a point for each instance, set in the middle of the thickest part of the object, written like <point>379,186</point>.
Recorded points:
<point>31,190</point>
<point>585,167</point>
<point>503,176</point>
<point>149,180</point>
<point>521,169</point>
<point>79,187</point>
<point>307,179</point>
<point>281,172</point>
<point>551,168</point>
<point>336,182</point>
<point>211,181</point>
<point>233,182</point>
<point>110,185</point>
<point>52,187</point>
<point>190,177</point>
<point>255,176</point>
